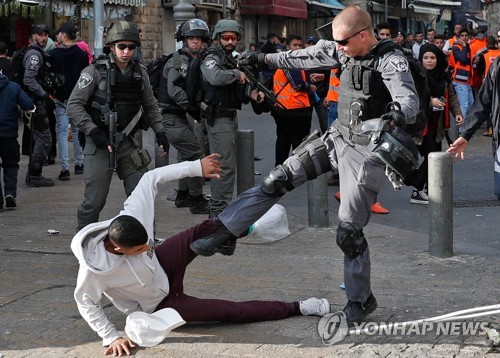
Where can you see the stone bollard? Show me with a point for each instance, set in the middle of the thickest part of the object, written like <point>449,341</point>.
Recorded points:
<point>317,202</point>
<point>440,204</point>
<point>245,167</point>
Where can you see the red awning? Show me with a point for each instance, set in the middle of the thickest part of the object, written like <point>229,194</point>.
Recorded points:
<point>288,8</point>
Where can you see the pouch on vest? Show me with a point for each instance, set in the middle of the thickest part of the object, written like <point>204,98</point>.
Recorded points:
<point>356,111</point>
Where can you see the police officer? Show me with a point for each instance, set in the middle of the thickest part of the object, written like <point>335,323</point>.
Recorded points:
<point>364,93</point>
<point>36,72</point>
<point>173,103</point>
<point>223,87</point>
<point>122,85</point>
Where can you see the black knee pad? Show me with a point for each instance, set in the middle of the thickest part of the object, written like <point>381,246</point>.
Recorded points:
<point>352,242</point>
<point>278,182</point>
<point>317,146</point>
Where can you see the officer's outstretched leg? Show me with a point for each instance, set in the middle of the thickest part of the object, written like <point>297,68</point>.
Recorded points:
<point>353,244</point>
<point>275,185</point>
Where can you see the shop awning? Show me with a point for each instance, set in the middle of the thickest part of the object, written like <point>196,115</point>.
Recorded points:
<point>378,7</point>
<point>288,8</point>
<point>425,9</point>
<point>329,4</point>
<point>440,2</point>
<point>123,2</point>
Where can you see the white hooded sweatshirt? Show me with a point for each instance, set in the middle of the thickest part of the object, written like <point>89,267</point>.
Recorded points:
<point>131,282</point>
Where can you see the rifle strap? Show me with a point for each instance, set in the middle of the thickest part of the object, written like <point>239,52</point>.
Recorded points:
<point>130,127</point>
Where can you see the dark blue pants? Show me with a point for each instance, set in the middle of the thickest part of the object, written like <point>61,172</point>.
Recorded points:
<point>9,157</point>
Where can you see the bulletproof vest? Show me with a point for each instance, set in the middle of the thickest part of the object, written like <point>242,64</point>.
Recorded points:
<point>363,94</point>
<point>45,73</point>
<point>180,61</point>
<point>126,93</point>
<point>223,97</point>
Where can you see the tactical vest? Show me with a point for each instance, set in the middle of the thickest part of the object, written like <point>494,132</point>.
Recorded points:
<point>363,94</point>
<point>223,97</point>
<point>166,103</point>
<point>126,94</point>
<point>45,76</point>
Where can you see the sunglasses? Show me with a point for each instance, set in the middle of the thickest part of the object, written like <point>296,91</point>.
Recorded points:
<point>124,46</point>
<point>346,41</point>
<point>228,37</point>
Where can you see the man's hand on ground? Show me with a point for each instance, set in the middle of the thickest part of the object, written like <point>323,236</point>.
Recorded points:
<point>210,166</point>
<point>120,346</point>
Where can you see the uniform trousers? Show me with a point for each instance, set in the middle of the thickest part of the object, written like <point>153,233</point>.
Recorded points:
<point>97,177</point>
<point>174,255</point>
<point>41,138</point>
<point>180,133</point>
<point>222,140</point>
<point>362,177</point>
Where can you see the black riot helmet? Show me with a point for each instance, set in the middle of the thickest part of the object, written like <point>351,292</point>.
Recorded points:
<point>193,27</point>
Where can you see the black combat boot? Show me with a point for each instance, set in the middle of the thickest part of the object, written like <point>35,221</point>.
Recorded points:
<point>182,199</point>
<point>198,204</point>
<point>356,312</point>
<point>222,241</point>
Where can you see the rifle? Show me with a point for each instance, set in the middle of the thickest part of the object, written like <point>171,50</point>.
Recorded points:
<point>269,96</point>
<point>110,118</point>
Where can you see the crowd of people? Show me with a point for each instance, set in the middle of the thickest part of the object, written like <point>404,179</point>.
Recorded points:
<point>362,76</point>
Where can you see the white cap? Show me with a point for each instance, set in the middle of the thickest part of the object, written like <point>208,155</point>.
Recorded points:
<point>148,330</point>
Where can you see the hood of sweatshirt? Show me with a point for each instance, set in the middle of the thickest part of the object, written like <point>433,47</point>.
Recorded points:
<point>4,81</point>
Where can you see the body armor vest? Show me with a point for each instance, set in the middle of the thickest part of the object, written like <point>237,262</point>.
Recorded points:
<point>223,97</point>
<point>126,94</point>
<point>363,94</point>
<point>181,64</point>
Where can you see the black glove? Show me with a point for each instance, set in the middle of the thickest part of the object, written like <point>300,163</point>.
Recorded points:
<point>253,59</point>
<point>395,117</point>
<point>162,140</point>
<point>99,138</point>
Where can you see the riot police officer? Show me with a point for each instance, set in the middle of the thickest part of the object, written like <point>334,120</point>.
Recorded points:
<point>117,85</point>
<point>223,89</point>
<point>36,73</point>
<point>360,149</point>
<point>172,98</point>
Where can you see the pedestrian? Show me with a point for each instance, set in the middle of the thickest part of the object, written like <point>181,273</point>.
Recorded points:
<point>439,41</point>
<point>173,102</point>
<point>460,58</point>
<point>11,96</point>
<point>271,46</point>
<point>457,29</point>
<point>431,36</point>
<point>223,93</point>
<point>292,89</point>
<point>36,72</point>
<point>361,167</point>
<point>117,84</point>
<point>384,30</point>
<point>419,41</point>
<point>119,259</point>
<point>443,101</point>
<point>485,105</point>
<point>68,60</point>
<point>4,60</point>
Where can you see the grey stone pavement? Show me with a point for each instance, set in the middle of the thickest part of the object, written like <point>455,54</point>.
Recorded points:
<point>38,317</point>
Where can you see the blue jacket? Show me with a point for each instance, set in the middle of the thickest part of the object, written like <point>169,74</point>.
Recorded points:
<point>11,95</point>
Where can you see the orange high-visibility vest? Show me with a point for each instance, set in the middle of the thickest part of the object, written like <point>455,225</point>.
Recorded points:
<point>461,73</point>
<point>289,97</point>
<point>333,86</point>
<point>489,57</point>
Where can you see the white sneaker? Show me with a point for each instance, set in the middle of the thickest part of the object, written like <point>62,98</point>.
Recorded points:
<point>315,307</point>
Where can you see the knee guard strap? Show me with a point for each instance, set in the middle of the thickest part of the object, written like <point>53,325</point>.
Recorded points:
<point>278,182</point>
<point>304,156</point>
<point>352,242</point>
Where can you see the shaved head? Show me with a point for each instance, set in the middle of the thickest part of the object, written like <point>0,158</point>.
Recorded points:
<point>352,19</point>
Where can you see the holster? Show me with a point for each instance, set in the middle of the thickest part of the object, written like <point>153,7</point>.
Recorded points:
<point>137,159</point>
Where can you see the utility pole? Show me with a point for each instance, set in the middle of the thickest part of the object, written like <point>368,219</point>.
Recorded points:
<point>98,27</point>
<point>183,11</point>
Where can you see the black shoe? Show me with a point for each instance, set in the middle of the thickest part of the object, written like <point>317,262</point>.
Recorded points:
<point>182,199</point>
<point>222,241</point>
<point>78,168</point>
<point>51,160</point>
<point>10,202</point>
<point>39,181</point>
<point>356,312</point>
<point>198,204</point>
<point>64,176</point>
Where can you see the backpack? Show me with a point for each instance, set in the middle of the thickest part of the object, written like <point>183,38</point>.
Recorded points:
<point>17,65</point>
<point>194,82</point>
<point>155,72</point>
<point>420,79</point>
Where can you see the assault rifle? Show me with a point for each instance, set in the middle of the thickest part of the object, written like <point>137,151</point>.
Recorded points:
<point>269,96</point>
<point>110,118</point>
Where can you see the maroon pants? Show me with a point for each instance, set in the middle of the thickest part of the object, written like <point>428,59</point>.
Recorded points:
<point>174,255</point>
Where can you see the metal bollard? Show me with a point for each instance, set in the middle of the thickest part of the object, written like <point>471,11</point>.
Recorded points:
<point>245,167</point>
<point>440,204</point>
<point>317,202</point>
